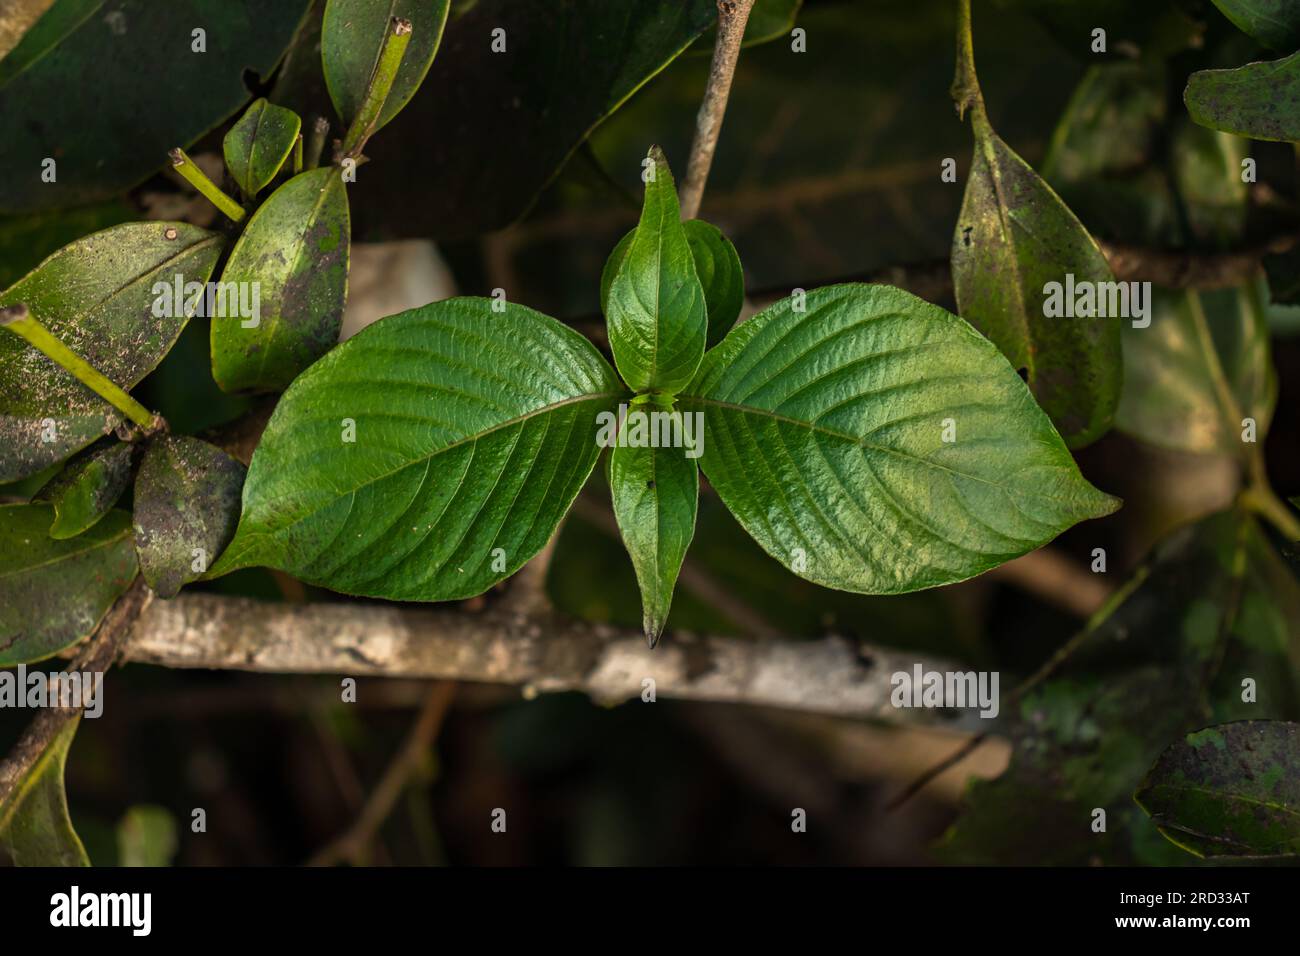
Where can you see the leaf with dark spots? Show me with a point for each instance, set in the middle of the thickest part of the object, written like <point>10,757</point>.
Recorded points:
<point>351,37</point>
<point>1014,237</point>
<point>1229,791</point>
<point>53,593</point>
<point>112,92</point>
<point>1215,604</point>
<point>186,510</point>
<point>257,146</point>
<point>87,487</point>
<point>294,255</point>
<point>1274,23</point>
<point>35,829</point>
<point>1259,100</point>
<point>110,297</point>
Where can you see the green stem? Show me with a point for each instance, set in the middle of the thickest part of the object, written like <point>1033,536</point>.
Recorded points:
<point>316,145</point>
<point>297,155</point>
<point>20,321</point>
<point>190,171</point>
<point>966,93</point>
<point>1261,499</point>
<point>396,39</point>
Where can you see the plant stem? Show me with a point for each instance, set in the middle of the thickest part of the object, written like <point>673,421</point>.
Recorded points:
<point>316,145</point>
<point>1261,499</point>
<point>297,155</point>
<point>381,83</point>
<point>966,93</point>
<point>210,190</point>
<point>20,321</point>
<point>733,15</point>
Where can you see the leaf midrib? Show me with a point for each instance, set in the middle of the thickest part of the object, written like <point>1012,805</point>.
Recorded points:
<point>477,436</point>
<point>851,439</point>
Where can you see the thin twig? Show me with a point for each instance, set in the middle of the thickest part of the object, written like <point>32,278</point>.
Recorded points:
<point>351,845</point>
<point>1063,653</point>
<point>96,656</point>
<point>732,17</point>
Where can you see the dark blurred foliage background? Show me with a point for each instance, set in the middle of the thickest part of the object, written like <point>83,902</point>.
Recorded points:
<point>828,169</point>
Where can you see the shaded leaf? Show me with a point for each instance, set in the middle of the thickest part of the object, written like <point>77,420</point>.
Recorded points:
<point>1014,237</point>
<point>655,310</point>
<point>294,251</point>
<point>535,103</point>
<point>428,457</point>
<point>655,493</point>
<point>1274,23</point>
<point>1259,100</point>
<point>257,146</point>
<point>87,487</point>
<point>146,836</point>
<point>717,264</point>
<point>35,829</point>
<point>31,28</point>
<point>186,510</point>
<point>351,38</point>
<point>876,443</point>
<point>53,593</point>
<point>1229,791</point>
<point>1198,370</point>
<point>83,100</point>
<point>1215,605</point>
<point>98,295</point>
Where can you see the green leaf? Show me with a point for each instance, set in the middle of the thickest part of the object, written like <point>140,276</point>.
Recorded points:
<point>1214,604</point>
<point>1274,23</point>
<point>146,836</point>
<point>1198,370</point>
<point>655,310</point>
<point>31,28</point>
<point>34,826</point>
<point>25,241</point>
<point>428,457</point>
<point>826,434</point>
<point>83,95</point>
<point>351,37</point>
<point>87,488</point>
<point>535,103</point>
<point>655,492</point>
<point>294,251</point>
<point>186,510</point>
<point>1258,100</point>
<point>717,264</point>
<point>53,593</point>
<point>257,146</point>
<point>100,296</point>
<point>1229,791</point>
<point>1014,236</point>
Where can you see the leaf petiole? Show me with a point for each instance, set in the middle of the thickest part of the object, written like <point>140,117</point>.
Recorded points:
<point>190,171</point>
<point>19,320</point>
<point>316,145</point>
<point>1263,501</point>
<point>396,39</point>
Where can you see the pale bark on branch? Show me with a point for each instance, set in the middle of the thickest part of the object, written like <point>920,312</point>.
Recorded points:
<point>541,652</point>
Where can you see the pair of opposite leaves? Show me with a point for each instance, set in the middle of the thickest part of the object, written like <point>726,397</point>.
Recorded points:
<point>868,440</point>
